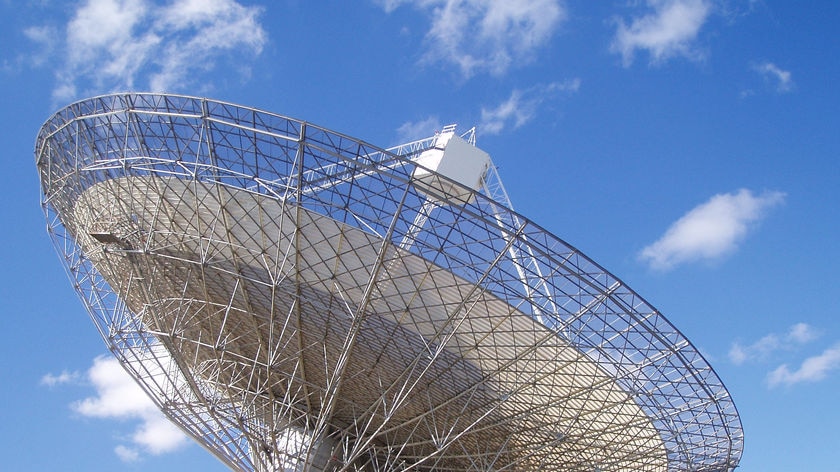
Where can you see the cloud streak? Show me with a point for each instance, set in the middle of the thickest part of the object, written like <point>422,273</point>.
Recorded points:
<point>112,45</point>
<point>65,377</point>
<point>670,30</point>
<point>414,130</point>
<point>812,369</point>
<point>513,112</point>
<point>489,36</point>
<point>782,79</point>
<point>798,335</point>
<point>711,230</point>
<point>522,105</point>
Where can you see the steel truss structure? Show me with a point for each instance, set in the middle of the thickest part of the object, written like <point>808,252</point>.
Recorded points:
<point>293,299</point>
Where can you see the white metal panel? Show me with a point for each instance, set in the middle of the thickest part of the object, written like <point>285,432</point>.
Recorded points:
<point>457,160</point>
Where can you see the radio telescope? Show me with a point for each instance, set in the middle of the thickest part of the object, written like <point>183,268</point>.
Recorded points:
<point>296,299</point>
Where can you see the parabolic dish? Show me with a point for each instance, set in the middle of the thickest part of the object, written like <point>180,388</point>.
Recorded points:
<point>296,299</point>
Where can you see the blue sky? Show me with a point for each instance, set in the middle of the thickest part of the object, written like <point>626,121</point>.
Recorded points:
<point>692,147</point>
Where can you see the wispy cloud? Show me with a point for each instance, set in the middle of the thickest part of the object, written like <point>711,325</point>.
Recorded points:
<point>127,454</point>
<point>119,397</point>
<point>51,380</point>
<point>802,333</point>
<point>46,38</point>
<point>519,108</point>
<point>762,349</point>
<point>522,105</point>
<point>414,130</point>
<point>739,354</point>
<point>773,346</point>
<point>155,45</point>
<point>670,30</point>
<point>711,230</point>
<point>485,35</point>
<point>812,369</point>
<point>781,79</point>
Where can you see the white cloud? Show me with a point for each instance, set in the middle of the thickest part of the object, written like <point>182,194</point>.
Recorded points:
<point>812,369</point>
<point>670,30</point>
<point>127,454</point>
<point>761,350</point>
<point>522,106</point>
<point>519,108</point>
<point>711,230</point>
<point>158,435</point>
<point>485,35</point>
<point>212,27</point>
<point>802,333</point>
<point>514,109</point>
<point>46,37</point>
<point>119,397</point>
<point>51,380</point>
<point>160,46</point>
<point>391,5</point>
<point>414,130</point>
<point>781,78</point>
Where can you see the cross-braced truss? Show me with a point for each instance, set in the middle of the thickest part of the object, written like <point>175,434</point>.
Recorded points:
<point>292,299</point>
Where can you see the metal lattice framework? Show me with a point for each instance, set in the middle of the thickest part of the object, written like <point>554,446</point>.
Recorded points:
<point>290,297</point>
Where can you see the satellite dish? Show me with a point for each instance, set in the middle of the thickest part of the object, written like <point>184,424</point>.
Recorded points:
<point>297,299</point>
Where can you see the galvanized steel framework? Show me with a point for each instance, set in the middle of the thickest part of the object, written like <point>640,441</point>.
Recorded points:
<point>289,298</point>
